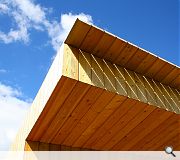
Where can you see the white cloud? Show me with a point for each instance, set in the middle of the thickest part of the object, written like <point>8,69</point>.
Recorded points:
<point>67,21</point>
<point>27,15</point>
<point>7,91</point>
<point>3,8</point>
<point>33,12</point>
<point>3,71</point>
<point>13,109</point>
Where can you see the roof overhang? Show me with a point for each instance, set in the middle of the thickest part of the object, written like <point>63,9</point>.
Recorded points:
<point>73,108</point>
<point>102,44</point>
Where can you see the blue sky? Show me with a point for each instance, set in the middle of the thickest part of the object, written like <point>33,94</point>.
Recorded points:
<point>32,30</point>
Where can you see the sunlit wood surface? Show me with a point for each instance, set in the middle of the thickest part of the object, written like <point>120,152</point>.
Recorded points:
<point>102,93</point>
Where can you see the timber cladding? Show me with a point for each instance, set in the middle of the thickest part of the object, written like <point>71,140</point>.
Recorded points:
<point>98,72</point>
<point>104,45</point>
<point>102,93</point>
<point>40,146</point>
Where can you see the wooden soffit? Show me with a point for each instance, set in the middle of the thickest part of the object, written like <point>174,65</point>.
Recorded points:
<point>89,101</point>
<point>100,106</point>
<point>102,44</point>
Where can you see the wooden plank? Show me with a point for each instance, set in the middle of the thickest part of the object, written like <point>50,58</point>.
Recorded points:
<point>165,138</point>
<point>65,148</point>
<point>66,70</point>
<point>177,92</point>
<point>114,50</point>
<point>130,84</point>
<point>157,116</point>
<point>81,109</point>
<point>126,54</point>
<point>151,97</point>
<point>113,119</point>
<point>109,77</point>
<point>90,116</point>
<point>85,73</point>
<point>65,110</point>
<point>146,64</point>
<point>43,146</point>
<point>164,72</point>
<point>92,39</point>
<point>101,118</point>
<point>103,45</point>
<point>141,90</point>
<point>80,29</point>
<point>170,77</point>
<point>174,96</point>
<point>70,62</point>
<point>162,96</point>
<point>63,88</point>
<point>74,63</point>
<point>155,68</point>
<point>176,82</point>
<point>173,104</point>
<point>76,149</point>
<point>31,146</point>
<point>130,126</point>
<point>97,72</point>
<point>54,147</point>
<point>119,125</point>
<point>171,141</point>
<point>159,130</point>
<point>136,59</point>
<point>120,80</point>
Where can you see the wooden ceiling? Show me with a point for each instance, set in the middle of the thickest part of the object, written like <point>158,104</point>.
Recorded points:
<point>104,45</point>
<point>97,119</point>
<point>88,110</point>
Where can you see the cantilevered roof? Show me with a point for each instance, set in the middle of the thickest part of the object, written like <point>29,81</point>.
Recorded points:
<point>102,44</point>
<point>86,102</point>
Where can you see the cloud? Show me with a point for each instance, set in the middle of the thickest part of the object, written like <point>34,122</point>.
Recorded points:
<point>60,31</point>
<point>3,8</point>
<point>3,71</point>
<point>13,109</point>
<point>31,11</point>
<point>27,15</point>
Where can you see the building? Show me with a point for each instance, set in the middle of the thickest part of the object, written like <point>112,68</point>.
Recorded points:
<point>103,93</point>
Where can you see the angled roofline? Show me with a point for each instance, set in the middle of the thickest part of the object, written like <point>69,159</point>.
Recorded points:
<point>103,44</point>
